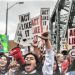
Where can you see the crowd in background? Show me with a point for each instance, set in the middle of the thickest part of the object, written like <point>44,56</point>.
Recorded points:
<point>38,63</point>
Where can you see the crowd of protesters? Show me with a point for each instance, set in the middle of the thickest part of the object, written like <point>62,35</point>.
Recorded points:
<point>38,64</point>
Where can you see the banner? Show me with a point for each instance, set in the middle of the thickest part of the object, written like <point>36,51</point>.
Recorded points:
<point>45,15</point>
<point>71,38</point>
<point>3,43</point>
<point>24,34</point>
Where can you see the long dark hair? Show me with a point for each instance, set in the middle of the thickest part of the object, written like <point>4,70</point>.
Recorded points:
<point>36,58</point>
<point>8,62</point>
<point>38,62</point>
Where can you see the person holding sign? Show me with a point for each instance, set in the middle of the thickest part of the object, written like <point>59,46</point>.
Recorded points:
<point>47,68</point>
<point>32,60</point>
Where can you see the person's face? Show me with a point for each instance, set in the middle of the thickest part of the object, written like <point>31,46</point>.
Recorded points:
<point>3,61</point>
<point>30,59</point>
<point>61,58</point>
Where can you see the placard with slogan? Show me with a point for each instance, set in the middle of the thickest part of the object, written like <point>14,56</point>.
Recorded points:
<point>45,15</point>
<point>24,35</point>
<point>36,27</point>
<point>3,43</point>
<point>71,38</point>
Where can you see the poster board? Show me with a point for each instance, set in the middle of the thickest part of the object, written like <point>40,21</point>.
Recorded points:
<point>24,35</point>
<point>71,38</point>
<point>45,16</point>
<point>36,28</point>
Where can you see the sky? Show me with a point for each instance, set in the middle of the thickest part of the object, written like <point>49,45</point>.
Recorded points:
<point>32,6</point>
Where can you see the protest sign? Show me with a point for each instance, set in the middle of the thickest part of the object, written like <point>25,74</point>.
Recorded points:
<point>71,38</point>
<point>45,16</point>
<point>24,34</point>
<point>36,27</point>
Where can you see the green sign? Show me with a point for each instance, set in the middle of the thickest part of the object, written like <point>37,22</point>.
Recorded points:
<point>3,43</point>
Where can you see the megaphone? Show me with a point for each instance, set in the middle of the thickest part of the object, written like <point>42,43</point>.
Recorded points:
<point>17,54</point>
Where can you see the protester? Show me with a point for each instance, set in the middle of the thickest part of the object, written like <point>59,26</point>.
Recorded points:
<point>49,57</point>
<point>4,63</point>
<point>39,54</point>
<point>32,60</point>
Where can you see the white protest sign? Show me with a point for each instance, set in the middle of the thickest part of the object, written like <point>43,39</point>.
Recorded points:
<point>71,38</point>
<point>45,16</point>
<point>36,27</point>
<point>24,34</point>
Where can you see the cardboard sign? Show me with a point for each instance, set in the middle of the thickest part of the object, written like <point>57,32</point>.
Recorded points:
<point>24,34</point>
<point>36,27</point>
<point>71,38</point>
<point>45,14</point>
<point>3,43</point>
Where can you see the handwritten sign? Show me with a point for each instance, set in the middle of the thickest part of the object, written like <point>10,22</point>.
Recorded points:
<point>24,34</point>
<point>45,13</point>
<point>36,27</point>
<point>71,38</point>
